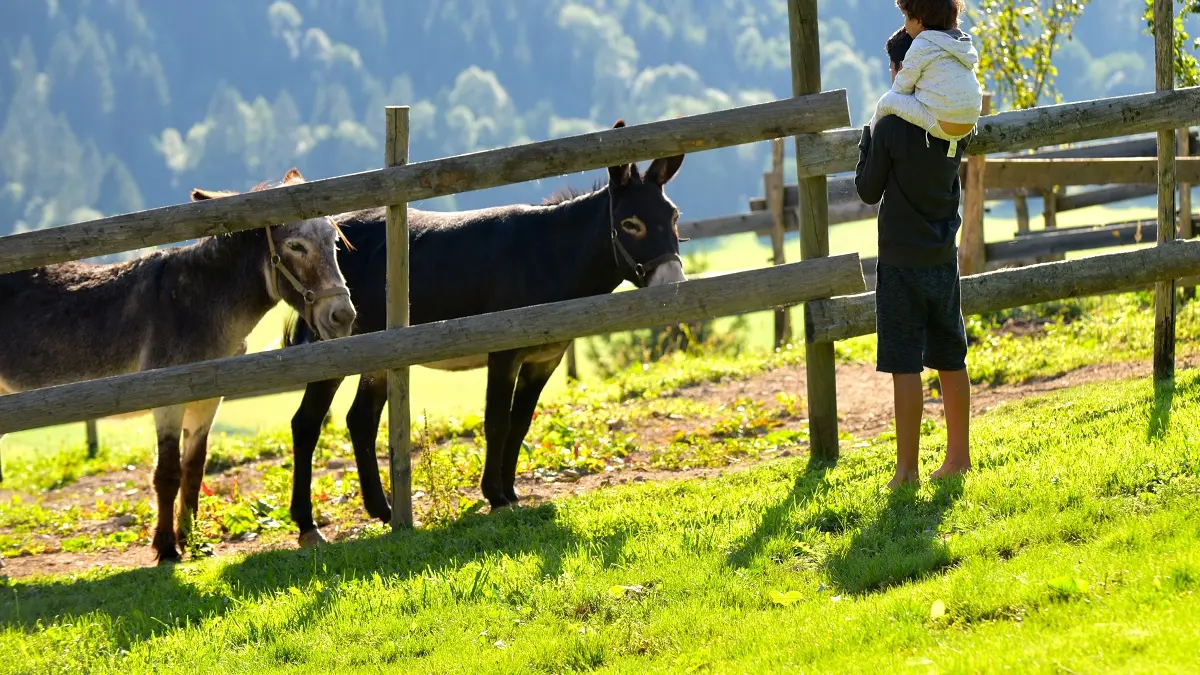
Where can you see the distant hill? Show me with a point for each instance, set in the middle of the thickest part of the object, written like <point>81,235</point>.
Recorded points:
<point>121,105</point>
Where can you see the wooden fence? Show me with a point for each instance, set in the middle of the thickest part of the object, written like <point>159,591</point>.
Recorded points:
<point>816,281</point>
<point>399,347</point>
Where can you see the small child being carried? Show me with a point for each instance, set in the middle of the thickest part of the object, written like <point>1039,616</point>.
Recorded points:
<point>936,88</point>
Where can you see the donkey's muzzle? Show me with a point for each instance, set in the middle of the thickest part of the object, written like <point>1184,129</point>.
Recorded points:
<point>334,315</point>
<point>669,272</point>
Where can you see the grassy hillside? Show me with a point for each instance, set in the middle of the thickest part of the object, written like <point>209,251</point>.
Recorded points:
<point>1073,547</point>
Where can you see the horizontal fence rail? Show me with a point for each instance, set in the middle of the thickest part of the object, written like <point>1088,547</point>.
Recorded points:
<point>842,318</point>
<point>836,151</point>
<point>764,289</point>
<point>425,180</point>
<point>1048,173</point>
<point>841,190</point>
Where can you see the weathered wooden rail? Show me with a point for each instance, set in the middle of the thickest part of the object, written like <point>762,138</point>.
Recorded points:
<point>843,318</point>
<point>424,180</point>
<point>836,151</point>
<point>425,343</point>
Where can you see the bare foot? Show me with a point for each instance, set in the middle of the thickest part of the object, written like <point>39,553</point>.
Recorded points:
<point>947,470</point>
<point>902,479</point>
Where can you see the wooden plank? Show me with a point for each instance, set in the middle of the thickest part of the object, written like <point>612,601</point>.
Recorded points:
<point>1164,291</point>
<point>1050,216</point>
<point>725,226</point>
<point>1021,206</point>
<point>1046,173</point>
<point>970,249</point>
<point>399,408</point>
<point>814,230</point>
<point>1186,226</point>
<point>725,295</point>
<point>1104,196</point>
<point>1065,240</point>
<point>572,363</point>
<point>842,192</point>
<point>93,439</point>
<point>773,188</point>
<point>1145,145</point>
<point>846,317</point>
<point>836,151</point>
<point>424,180</point>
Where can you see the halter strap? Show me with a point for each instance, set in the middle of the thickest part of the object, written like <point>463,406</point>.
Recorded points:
<point>310,296</point>
<point>639,270</point>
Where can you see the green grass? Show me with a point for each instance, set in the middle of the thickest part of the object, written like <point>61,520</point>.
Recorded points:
<point>1074,547</point>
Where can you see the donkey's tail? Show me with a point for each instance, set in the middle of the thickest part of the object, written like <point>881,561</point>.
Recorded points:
<point>295,331</point>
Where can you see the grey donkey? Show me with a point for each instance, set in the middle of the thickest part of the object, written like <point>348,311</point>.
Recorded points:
<point>78,321</point>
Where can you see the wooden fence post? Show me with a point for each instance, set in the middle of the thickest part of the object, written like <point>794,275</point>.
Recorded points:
<point>1164,291</point>
<point>814,233</point>
<point>93,439</point>
<point>399,419</point>
<point>971,254</point>
<point>572,365</point>
<point>773,190</point>
<point>1021,206</point>
<point>1050,216</point>
<point>1186,227</point>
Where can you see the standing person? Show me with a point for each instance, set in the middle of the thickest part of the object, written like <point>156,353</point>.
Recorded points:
<point>938,89</point>
<point>917,309</point>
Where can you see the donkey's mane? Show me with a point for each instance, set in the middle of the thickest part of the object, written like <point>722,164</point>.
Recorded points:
<point>570,192</point>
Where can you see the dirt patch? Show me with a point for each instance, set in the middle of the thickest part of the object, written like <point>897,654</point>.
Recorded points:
<point>865,408</point>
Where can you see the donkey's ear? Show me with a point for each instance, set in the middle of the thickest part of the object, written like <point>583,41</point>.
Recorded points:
<point>662,170</point>
<point>199,195</point>
<point>619,176</point>
<point>292,176</point>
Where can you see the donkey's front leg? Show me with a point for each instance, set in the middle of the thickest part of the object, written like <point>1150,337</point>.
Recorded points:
<point>501,381</point>
<point>306,432</point>
<point>168,422</point>
<point>197,422</point>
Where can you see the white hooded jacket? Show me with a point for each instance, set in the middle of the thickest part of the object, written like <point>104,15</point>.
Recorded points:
<point>943,62</point>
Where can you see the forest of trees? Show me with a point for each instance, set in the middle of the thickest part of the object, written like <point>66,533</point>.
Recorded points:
<point>109,106</point>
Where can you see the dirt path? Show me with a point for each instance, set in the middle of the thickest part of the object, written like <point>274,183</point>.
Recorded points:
<point>864,401</point>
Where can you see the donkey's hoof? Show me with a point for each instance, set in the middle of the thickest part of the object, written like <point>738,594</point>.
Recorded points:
<point>169,560</point>
<point>312,538</point>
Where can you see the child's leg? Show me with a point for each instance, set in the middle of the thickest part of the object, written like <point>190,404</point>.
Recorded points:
<point>900,325</point>
<point>956,394</point>
<point>907,108</point>
<point>910,403</point>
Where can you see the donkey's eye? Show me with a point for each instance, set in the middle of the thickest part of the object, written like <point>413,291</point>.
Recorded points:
<point>634,225</point>
<point>297,247</point>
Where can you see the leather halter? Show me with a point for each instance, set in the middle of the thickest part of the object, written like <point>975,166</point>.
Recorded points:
<point>310,296</point>
<point>639,270</point>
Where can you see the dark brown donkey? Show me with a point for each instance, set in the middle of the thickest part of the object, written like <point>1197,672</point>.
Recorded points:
<point>77,321</point>
<point>474,262</point>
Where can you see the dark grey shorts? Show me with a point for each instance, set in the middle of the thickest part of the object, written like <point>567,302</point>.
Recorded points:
<point>918,317</point>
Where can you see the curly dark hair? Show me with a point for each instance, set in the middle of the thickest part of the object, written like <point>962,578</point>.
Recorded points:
<point>933,14</point>
<point>897,46</point>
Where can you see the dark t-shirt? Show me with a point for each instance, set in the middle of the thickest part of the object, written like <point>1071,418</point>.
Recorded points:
<point>909,170</point>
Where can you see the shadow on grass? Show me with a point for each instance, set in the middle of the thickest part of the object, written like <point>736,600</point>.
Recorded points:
<point>144,602</point>
<point>1160,409</point>
<point>776,519</point>
<point>900,545</point>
